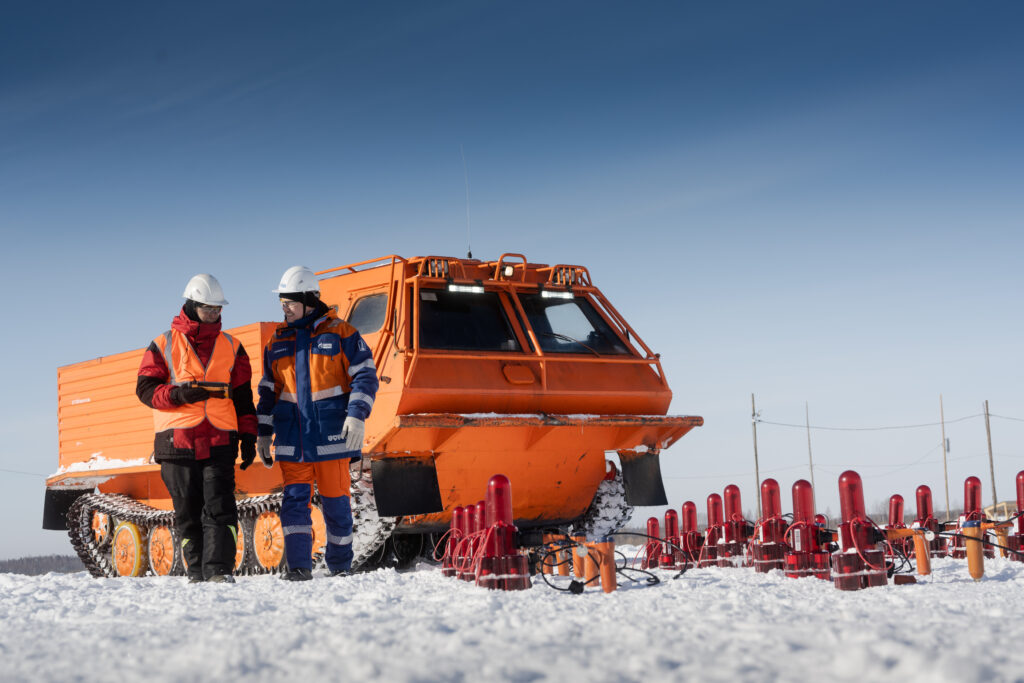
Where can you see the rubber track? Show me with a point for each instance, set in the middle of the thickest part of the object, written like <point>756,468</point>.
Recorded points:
<point>371,531</point>
<point>608,512</point>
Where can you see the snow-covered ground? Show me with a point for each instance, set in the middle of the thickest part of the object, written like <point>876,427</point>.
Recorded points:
<point>710,624</point>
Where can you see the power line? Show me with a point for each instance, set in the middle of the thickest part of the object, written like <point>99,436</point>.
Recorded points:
<point>32,474</point>
<point>737,475</point>
<point>1004,417</point>
<point>869,429</point>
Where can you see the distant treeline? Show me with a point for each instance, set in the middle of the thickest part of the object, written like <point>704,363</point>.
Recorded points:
<point>44,564</point>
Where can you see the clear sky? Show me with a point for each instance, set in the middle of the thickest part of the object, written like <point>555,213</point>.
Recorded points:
<point>818,203</point>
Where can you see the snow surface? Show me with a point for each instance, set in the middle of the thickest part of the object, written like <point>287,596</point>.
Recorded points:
<point>710,624</point>
<point>98,462</point>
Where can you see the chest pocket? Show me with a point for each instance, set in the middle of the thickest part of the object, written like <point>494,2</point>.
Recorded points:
<point>282,348</point>
<point>326,344</point>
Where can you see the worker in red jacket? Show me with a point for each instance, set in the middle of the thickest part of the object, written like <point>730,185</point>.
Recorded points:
<point>197,381</point>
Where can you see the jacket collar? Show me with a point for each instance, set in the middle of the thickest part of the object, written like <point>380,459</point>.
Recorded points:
<point>311,322</point>
<point>194,330</point>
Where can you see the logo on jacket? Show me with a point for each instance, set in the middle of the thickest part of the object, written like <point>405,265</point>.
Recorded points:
<point>335,437</point>
<point>326,346</point>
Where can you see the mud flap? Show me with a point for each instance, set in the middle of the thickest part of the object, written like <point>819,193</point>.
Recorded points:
<point>641,476</point>
<point>56,505</point>
<point>405,486</point>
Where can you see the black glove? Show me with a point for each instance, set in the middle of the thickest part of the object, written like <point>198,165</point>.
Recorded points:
<point>189,394</point>
<point>247,448</point>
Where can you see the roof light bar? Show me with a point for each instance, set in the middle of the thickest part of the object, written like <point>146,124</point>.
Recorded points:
<point>549,294</point>
<point>466,289</point>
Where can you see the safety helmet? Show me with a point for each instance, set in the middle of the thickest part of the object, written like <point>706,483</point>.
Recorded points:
<point>205,289</point>
<point>298,279</point>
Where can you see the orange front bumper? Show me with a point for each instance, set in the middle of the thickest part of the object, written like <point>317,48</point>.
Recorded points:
<point>554,462</point>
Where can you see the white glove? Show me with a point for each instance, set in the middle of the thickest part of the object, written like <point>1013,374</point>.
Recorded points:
<point>263,450</point>
<point>352,431</point>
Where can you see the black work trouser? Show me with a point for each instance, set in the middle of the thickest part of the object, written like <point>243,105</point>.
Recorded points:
<point>205,515</point>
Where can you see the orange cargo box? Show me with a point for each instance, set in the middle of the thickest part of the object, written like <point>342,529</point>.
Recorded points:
<point>105,431</point>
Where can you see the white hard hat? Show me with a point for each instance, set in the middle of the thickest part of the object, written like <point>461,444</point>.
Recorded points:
<point>298,279</point>
<point>205,289</point>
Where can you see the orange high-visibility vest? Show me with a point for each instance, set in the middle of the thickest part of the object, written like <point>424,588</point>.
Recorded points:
<point>184,366</point>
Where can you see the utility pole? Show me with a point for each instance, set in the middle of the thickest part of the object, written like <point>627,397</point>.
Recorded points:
<point>810,459</point>
<point>991,467</point>
<point>945,470</point>
<point>757,471</point>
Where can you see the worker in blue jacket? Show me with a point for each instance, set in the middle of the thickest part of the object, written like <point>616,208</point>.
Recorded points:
<point>318,387</point>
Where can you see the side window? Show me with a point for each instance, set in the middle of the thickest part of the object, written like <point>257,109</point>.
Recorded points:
<point>368,313</point>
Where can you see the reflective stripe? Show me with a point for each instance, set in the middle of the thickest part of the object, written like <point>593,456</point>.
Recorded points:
<point>266,420</point>
<point>339,540</point>
<point>288,530</point>
<point>287,397</point>
<point>330,450</point>
<point>368,363</point>
<point>167,357</point>
<point>266,384</point>
<point>359,396</point>
<point>234,353</point>
<point>285,450</point>
<point>328,393</point>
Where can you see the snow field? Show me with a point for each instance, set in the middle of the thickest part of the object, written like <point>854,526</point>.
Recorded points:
<point>710,624</point>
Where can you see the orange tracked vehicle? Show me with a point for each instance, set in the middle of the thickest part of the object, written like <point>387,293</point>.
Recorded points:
<point>484,366</point>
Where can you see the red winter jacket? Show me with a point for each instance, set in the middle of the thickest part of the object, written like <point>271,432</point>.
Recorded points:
<point>204,440</point>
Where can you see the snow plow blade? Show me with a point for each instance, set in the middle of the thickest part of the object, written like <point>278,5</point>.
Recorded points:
<point>556,461</point>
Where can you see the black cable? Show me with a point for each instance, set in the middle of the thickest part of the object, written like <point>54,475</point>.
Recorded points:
<point>560,546</point>
<point>899,552</point>
<point>953,534</point>
<point>683,553</point>
<point>576,586</point>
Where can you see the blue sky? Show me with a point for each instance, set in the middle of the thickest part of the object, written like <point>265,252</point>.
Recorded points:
<point>812,202</point>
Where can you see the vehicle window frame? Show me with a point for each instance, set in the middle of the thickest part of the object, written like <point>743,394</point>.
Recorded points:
<point>501,307</point>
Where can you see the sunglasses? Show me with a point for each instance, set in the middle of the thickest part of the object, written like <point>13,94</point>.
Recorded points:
<point>207,307</point>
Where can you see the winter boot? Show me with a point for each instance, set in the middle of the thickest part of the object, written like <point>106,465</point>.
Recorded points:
<point>297,574</point>
<point>221,578</point>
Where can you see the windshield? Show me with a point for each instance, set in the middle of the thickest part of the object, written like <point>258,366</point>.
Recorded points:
<point>570,326</point>
<point>464,321</point>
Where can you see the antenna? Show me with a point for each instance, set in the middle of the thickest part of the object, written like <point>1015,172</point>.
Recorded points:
<point>465,174</point>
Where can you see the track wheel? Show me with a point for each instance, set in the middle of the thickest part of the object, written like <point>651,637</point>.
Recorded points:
<point>239,546</point>
<point>161,551</point>
<point>128,552</point>
<point>268,541</point>
<point>319,532</point>
<point>100,528</point>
